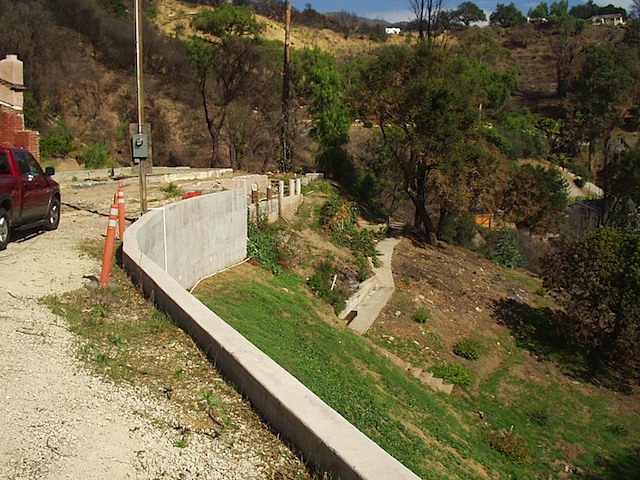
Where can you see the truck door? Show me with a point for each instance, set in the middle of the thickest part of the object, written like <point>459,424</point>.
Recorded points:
<point>35,188</point>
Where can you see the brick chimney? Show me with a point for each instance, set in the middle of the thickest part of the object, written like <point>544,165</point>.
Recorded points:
<point>12,131</point>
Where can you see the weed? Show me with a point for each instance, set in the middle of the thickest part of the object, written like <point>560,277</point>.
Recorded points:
<point>539,417</point>
<point>95,155</point>
<point>210,398</point>
<point>264,246</point>
<point>322,283</point>
<point>172,190</point>
<point>617,429</point>
<point>512,446</point>
<point>178,374</point>
<point>454,373</point>
<point>421,316</point>
<point>469,349</point>
<point>182,442</point>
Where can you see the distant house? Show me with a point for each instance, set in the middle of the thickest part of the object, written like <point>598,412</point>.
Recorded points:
<point>537,20</point>
<point>612,19</point>
<point>392,31</point>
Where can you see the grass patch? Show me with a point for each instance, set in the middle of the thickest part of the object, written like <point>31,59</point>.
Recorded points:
<point>434,435</point>
<point>469,348</point>
<point>416,425</point>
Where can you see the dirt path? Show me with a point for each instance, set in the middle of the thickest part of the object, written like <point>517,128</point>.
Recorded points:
<point>56,420</point>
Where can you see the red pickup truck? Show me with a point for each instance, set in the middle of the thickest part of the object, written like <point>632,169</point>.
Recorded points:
<point>29,197</point>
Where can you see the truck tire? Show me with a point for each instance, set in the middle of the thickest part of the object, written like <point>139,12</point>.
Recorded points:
<point>53,217</point>
<point>5,228</point>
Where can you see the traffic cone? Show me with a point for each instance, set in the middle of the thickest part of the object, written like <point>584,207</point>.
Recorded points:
<point>107,257</point>
<point>121,225</point>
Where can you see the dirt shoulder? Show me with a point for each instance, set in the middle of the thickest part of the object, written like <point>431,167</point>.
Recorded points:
<point>58,420</point>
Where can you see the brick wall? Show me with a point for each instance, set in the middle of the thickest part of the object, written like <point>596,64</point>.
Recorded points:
<point>12,131</point>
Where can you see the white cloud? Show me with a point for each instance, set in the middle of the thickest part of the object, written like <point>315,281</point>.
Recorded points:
<point>391,15</point>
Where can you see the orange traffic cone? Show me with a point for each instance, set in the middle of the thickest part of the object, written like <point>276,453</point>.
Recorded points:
<point>121,225</point>
<point>107,257</point>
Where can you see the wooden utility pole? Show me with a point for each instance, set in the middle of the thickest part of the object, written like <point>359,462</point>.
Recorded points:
<point>286,90</point>
<point>140,91</point>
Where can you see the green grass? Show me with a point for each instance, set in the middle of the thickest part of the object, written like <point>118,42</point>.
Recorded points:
<point>434,435</point>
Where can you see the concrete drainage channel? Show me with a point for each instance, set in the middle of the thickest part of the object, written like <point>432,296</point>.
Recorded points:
<point>158,251</point>
<point>364,306</point>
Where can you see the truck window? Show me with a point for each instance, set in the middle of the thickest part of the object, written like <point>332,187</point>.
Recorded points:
<point>27,164</point>
<point>4,164</point>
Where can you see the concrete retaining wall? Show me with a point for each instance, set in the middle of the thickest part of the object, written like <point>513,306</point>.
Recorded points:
<point>323,436</point>
<point>193,238</point>
<point>355,300</point>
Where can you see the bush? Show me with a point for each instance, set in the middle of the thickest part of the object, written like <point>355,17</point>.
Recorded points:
<point>539,417</point>
<point>454,373</point>
<point>421,316</point>
<point>507,249</point>
<point>321,283</point>
<point>263,246</point>
<point>458,229</point>
<point>95,155</point>
<point>338,217</point>
<point>58,143</point>
<point>469,349</point>
<point>510,445</point>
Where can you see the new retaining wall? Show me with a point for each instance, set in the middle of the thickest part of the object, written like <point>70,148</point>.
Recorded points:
<point>164,251</point>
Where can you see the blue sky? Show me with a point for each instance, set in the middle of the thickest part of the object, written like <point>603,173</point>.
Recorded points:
<point>398,10</point>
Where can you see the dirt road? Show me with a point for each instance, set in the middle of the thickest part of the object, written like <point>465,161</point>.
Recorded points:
<point>58,421</point>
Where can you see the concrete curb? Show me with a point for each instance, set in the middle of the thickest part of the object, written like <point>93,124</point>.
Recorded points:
<point>323,436</point>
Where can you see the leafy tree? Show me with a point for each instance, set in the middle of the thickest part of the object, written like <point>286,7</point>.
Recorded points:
<point>226,20</point>
<point>226,72</point>
<point>58,142</point>
<point>540,11</point>
<point>620,179</point>
<point>584,10</point>
<point>535,198</point>
<point>597,280</point>
<point>316,77</point>
<point>506,16</point>
<point>601,90</point>
<point>468,13</point>
<point>565,48</point>
<point>426,107</point>
<point>559,8</point>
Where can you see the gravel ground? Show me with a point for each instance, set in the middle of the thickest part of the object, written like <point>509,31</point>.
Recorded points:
<point>57,420</point>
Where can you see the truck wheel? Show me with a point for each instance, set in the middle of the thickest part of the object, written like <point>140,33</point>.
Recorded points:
<point>53,217</point>
<point>4,228</point>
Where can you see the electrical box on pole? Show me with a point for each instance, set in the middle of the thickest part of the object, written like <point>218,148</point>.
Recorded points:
<point>140,147</point>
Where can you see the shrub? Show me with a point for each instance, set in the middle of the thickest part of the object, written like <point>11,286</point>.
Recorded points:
<point>507,250</point>
<point>421,316</point>
<point>321,283</point>
<point>458,229</point>
<point>469,349</point>
<point>338,217</point>
<point>510,445</point>
<point>263,245</point>
<point>539,417</point>
<point>58,143</point>
<point>454,373</point>
<point>172,190</point>
<point>95,155</point>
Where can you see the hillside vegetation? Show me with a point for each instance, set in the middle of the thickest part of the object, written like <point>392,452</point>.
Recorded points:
<point>435,129</point>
